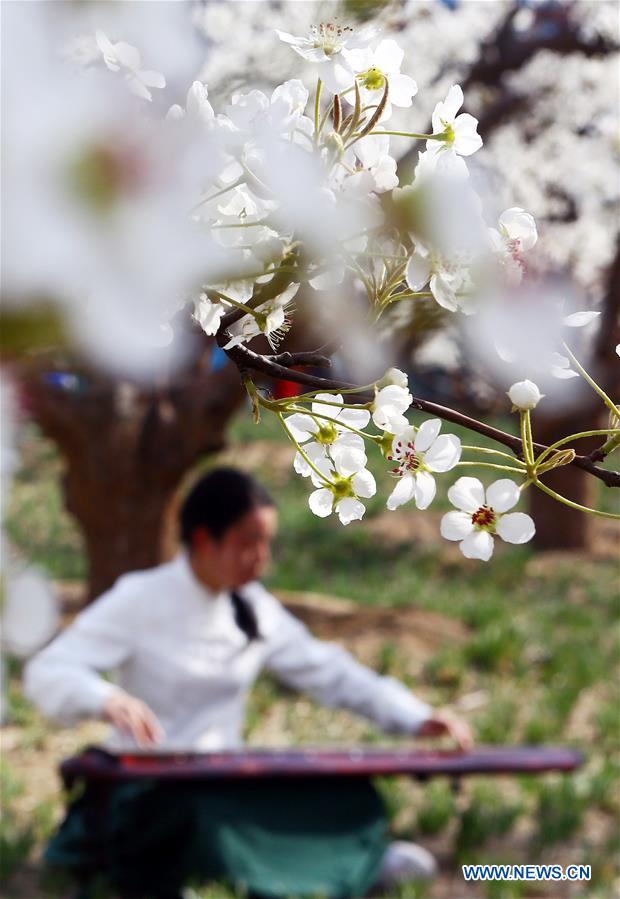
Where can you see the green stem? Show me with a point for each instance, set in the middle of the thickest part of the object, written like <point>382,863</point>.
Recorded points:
<point>236,303</point>
<point>304,455</point>
<point>317,101</point>
<point>599,432</point>
<point>214,196</point>
<point>411,134</point>
<point>410,294</point>
<point>240,225</point>
<point>527,448</point>
<point>528,427</point>
<point>570,503</point>
<point>494,452</point>
<point>607,400</point>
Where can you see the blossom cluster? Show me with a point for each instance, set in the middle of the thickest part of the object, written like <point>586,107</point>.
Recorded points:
<point>247,210</point>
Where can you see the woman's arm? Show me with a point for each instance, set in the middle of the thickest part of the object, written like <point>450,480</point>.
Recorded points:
<point>333,677</point>
<point>64,679</point>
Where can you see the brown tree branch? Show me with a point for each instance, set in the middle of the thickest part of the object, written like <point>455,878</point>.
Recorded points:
<point>246,358</point>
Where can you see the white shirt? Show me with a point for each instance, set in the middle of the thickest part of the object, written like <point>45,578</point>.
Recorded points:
<point>176,645</point>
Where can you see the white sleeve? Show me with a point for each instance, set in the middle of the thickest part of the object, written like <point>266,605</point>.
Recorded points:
<point>332,676</point>
<point>63,680</point>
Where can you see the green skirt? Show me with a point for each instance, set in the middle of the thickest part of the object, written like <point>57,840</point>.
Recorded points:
<point>273,839</point>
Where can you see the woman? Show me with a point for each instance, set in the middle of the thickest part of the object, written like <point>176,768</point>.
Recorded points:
<point>186,641</point>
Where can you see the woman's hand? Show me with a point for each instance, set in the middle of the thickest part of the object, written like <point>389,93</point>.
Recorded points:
<point>133,717</point>
<point>444,723</point>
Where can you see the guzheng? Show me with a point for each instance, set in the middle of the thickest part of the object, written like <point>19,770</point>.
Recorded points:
<point>97,764</point>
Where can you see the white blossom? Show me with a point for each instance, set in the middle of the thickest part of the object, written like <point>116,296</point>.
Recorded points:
<point>124,58</point>
<point>482,516</point>
<point>325,431</point>
<point>515,235</point>
<point>329,47</point>
<point>388,408</point>
<point>270,319</point>
<point>344,484</point>
<point>209,314</point>
<point>459,133</point>
<point>374,68</point>
<point>418,455</point>
<point>448,278</point>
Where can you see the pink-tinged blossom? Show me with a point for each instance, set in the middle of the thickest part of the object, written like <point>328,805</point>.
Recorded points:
<point>515,235</point>
<point>418,456</point>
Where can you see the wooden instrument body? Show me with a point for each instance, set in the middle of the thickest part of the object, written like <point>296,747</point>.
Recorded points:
<point>97,764</point>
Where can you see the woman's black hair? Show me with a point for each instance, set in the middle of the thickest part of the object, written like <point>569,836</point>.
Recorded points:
<point>219,500</point>
<point>216,502</point>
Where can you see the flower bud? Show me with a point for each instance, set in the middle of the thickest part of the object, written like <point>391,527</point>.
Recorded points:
<point>524,395</point>
<point>393,376</point>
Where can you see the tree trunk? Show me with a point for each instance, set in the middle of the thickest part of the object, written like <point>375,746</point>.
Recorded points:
<point>557,525</point>
<point>127,449</point>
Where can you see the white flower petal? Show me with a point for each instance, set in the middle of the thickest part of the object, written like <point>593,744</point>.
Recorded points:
<point>348,461</point>
<point>402,90</point>
<point>478,545</point>
<point>357,418</point>
<point>580,319</point>
<point>444,454</point>
<point>466,137</point>
<point>349,509</point>
<point>503,495</point>
<point>516,527</point>
<point>321,502</point>
<point>456,525</point>
<point>467,494</point>
<point>425,489</point>
<point>443,291</point>
<point>402,493</point>
<point>418,272</point>
<point>427,434</point>
<point>302,427</point>
<point>321,408</point>
<point>364,483</point>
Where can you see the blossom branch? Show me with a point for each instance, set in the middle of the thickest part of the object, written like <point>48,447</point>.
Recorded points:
<point>243,356</point>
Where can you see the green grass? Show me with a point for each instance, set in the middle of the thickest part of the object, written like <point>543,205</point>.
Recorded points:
<point>542,641</point>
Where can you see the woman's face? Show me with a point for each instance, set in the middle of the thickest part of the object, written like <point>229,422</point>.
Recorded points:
<point>240,555</point>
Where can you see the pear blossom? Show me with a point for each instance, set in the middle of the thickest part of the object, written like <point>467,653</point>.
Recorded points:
<point>515,235</point>
<point>329,46</point>
<point>122,57</point>
<point>374,157</point>
<point>482,515</point>
<point>343,484</point>
<point>197,105</point>
<point>374,68</point>
<point>524,395</point>
<point>418,455</point>
<point>448,277</point>
<point>459,133</point>
<point>270,319</point>
<point>325,430</point>
<point>388,407</point>
<point>209,314</point>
